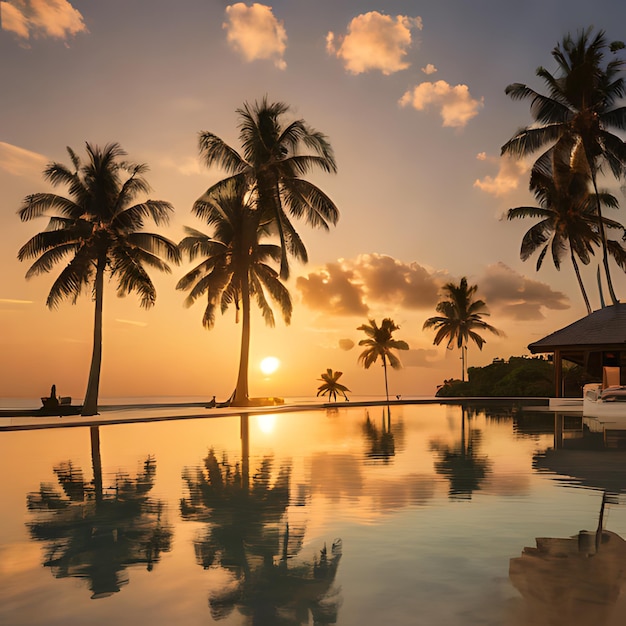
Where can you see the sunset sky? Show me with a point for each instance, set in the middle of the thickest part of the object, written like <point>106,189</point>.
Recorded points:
<point>411,97</point>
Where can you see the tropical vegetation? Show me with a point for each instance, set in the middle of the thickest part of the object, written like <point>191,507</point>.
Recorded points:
<point>330,385</point>
<point>460,319</point>
<point>515,377</point>
<point>234,265</point>
<point>583,105</point>
<point>97,230</point>
<point>380,343</point>
<point>567,214</point>
<point>272,167</point>
<point>264,190</point>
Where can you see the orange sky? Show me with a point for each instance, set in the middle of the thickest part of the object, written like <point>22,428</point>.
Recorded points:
<point>414,106</point>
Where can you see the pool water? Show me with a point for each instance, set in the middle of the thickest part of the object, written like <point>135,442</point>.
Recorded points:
<point>416,515</point>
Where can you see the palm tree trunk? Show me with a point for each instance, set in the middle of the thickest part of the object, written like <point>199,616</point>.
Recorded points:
<point>605,248</point>
<point>241,390</point>
<point>580,281</point>
<point>385,369</point>
<point>90,405</point>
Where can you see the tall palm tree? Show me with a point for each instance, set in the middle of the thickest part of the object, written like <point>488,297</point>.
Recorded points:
<point>567,214</point>
<point>272,165</point>
<point>380,343</point>
<point>234,265</point>
<point>331,386</point>
<point>99,229</point>
<point>579,110</point>
<point>461,316</point>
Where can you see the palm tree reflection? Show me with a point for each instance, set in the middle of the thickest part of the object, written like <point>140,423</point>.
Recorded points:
<point>460,463</point>
<point>382,446</point>
<point>249,535</point>
<point>96,533</point>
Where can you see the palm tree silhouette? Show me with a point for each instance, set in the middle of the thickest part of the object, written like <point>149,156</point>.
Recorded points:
<point>233,267</point>
<point>249,535</point>
<point>100,230</point>
<point>380,343</point>
<point>94,533</point>
<point>567,214</point>
<point>272,168</point>
<point>330,385</point>
<point>460,317</point>
<point>579,110</point>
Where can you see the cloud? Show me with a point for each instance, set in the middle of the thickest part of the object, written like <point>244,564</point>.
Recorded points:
<point>41,18</point>
<point>506,180</point>
<point>419,357</point>
<point>456,105</point>
<point>515,296</point>
<point>346,344</point>
<point>352,287</point>
<point>20,162</point>
<point>131,323</point>
<point>335,290</point>
<point>255,33</point>
<point>12,301</point>
<point>374,42</point>
<point>429,69</point>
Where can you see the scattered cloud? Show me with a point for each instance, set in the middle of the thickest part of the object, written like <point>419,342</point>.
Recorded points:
<point>374,41</point>
<point>187,166</point>
<point>12,301</point>
<point>429,69</point>
<point>28,19</point>
<point>353,287</point>
<point>455,103</point>
<point>515,296</point>
<point>335,290</point>
<point>131,323</point>
<point>510,172</point>
<point>346,344</point>
<point>255,33</point>
<point>20,162</point>
<point>419,357</point>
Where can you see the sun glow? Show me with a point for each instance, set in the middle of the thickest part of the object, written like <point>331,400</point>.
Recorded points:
<point>266,422</point>
<point>269,365</point>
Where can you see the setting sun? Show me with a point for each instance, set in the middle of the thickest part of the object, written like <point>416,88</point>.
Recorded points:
<point>269,365</point>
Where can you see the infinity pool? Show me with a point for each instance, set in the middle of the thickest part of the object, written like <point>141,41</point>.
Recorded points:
<point>423,515</point>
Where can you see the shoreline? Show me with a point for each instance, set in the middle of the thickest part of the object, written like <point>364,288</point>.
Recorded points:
<point>18,421</point>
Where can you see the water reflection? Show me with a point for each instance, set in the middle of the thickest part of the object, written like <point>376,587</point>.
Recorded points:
<point>572,581</point>
<point>461,463</point>
<point>94,533</point>
<point>381,441</point>
<point>250,536</point>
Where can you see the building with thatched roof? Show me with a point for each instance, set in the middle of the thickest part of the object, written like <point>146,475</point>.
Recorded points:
<point>593,342</point>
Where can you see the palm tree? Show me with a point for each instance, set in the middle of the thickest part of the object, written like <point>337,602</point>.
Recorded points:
<point>100,230</point>
<point>233,267</point>
<point>567,214</point>
<point>460,317</point>
<point>380,343</point>
<point>330,385</point>
<point>272,166</point>
<point>579,110</point>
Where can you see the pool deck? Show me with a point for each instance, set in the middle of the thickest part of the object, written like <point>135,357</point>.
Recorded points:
<point>12,420</point>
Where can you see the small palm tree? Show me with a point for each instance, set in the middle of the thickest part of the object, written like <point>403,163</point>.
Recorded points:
<point>273,166</point>
<point>380,343</point>
<point>460,317</point>
<point>234,266</point>
<point>331,386</point>
<point>100,230</point>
